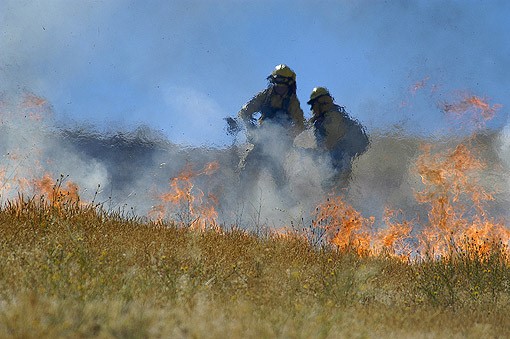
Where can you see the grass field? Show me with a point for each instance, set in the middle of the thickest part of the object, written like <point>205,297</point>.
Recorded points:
<point>76,271</point>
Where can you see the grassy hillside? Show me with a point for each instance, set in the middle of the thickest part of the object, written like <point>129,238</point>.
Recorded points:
<point>76,271</point>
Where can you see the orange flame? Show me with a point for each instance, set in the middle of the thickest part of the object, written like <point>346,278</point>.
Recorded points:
<point>345,227</point>
<point>457,218</point>
<point>188,201</point>
<point>457,215</point>
<point>478,110</point>
<point>392,240</point>
<point>53,191</point>
<point>33,104</point>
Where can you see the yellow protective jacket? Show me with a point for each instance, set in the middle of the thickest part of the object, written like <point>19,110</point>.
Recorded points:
<point>274,107</point>
<point>336,131</point>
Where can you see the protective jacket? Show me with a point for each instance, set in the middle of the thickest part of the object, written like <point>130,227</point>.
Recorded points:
<point>284,110</point>
<point>338,133</point>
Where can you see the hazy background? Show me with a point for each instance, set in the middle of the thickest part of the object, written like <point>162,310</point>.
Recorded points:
<point>181,66</point>
<point>126,93</point>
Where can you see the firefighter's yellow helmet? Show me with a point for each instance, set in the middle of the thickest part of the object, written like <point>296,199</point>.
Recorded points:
<point>318,92</point>
<point>282,72</point>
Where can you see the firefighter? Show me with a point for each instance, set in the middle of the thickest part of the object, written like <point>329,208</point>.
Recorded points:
<point>280,120</point>
<point>278,103</point>
<point>336,133</point>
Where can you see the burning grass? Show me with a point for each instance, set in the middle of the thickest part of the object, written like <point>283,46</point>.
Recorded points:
<point>70,268</point>
<point>76,270</point>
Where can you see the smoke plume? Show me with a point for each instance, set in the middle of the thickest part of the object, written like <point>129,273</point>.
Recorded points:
<point>132,170</point>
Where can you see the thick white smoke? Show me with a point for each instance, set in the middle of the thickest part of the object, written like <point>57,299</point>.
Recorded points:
<point>31,147</point>
<point>281,180</point>
<point>131,170</point>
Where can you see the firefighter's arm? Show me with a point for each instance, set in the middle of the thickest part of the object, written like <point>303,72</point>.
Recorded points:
<point>252,106</point>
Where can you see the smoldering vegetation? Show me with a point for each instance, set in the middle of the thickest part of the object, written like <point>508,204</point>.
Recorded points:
<point>131,170</point>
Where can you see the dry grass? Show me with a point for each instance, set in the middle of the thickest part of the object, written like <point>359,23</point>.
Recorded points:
<point>76,271</point>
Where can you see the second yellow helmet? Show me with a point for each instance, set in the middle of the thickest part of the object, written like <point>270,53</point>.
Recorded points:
<point>318,92</point>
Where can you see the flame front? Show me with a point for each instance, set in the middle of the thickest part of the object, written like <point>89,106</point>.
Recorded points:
<point>187,202</point>
<point>54,191</point>
<point>392,240</point>
<point>457,219</point>
<point>457,215</point>
<point>344,226</point>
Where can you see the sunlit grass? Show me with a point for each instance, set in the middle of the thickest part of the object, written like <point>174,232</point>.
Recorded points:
<point>70,270</point>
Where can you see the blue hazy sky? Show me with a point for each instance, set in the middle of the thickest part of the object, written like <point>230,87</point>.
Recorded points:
<point>181,66</point>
